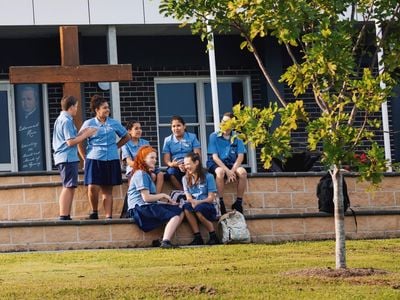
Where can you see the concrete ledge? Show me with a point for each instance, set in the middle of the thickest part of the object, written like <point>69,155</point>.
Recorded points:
<point>323,215</point>
<point>123,233</point>
<point>36,223</point>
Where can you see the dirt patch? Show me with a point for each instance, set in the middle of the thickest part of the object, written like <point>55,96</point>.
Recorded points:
<point>175,291</point>
<point>337,273</point>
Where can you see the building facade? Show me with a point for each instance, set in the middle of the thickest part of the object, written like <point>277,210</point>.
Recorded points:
<point>171,74</point>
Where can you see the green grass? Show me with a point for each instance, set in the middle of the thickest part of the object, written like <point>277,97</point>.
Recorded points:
<point>220,272</point>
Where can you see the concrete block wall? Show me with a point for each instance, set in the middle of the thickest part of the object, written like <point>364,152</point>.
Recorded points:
<point>277,208</point>
<point>36,197</point>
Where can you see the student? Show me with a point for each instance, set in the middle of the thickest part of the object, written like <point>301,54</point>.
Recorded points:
<point>102,164</point>
<point>200,189</point>
<point>176,146</point>
<point>148,208</point>
<point>224,160</point>
<point>129,151</point>
<point>65,140</point>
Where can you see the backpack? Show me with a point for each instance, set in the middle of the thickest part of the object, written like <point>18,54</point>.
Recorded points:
<point>232,228</point>
<point>325,195</point>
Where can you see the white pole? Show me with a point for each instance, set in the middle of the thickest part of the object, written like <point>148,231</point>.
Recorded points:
<point>113,60</point>
<point>385,117</point>
<point>213,77</point>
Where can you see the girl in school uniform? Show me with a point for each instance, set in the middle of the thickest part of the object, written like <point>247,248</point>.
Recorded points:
<point>102,164</point>
<point>176,146</point>
<point>148,208</point>
<point>200,190</point>
<point>128,154</point>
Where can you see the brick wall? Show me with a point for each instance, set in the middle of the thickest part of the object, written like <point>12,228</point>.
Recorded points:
<point>36,197</point>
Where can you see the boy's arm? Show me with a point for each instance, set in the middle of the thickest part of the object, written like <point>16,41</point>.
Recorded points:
<point>83,135</point>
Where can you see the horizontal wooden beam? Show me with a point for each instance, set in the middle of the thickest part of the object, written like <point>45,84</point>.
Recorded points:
<point>64,74</point>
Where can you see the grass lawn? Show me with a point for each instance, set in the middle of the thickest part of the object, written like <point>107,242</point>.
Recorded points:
<point>220,272</point>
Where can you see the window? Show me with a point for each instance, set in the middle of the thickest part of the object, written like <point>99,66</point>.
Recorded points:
<point>6,134</point>
<point>191,99</point>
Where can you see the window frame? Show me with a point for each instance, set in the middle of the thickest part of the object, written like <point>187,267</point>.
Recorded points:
<point>199,84</point>
<point>13,165</point>
<point>12,125</point>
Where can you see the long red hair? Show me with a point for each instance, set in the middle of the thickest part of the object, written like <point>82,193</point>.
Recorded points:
<point>139,163</point>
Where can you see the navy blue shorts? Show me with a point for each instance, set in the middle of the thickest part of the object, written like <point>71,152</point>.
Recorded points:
<point>151,216</point>
<point>69,174</point>
<point>101,172</point>
<point>213,166</point>
<point>175,172</point>
<point>206,209</point>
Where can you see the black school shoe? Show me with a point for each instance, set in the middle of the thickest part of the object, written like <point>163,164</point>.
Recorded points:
<point>238,206</point>
<point>213,241</point>
<point>167,245</point>
<point>64,218</point>
<point>93,216</point>
<point>197,241</point>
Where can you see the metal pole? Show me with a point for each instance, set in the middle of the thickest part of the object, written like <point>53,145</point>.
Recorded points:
<point>113,60</point>
<point>213,77</point>
<point>385,116</point>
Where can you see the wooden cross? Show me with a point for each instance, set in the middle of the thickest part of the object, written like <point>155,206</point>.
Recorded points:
<point>70,73</point>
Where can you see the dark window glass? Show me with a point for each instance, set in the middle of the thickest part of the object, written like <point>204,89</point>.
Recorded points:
<point>177,99</point>
<point>5,157</point>
<point>229,94</point>
<point>30,133</point>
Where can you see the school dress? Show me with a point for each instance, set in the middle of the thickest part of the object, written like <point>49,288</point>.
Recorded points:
<point>102,165</point>
<point>226,149</point>
<point>148,216</point>
<point>199,191</point>
<point>178,150</point>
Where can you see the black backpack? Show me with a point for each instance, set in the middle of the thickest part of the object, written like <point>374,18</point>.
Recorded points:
<point>325,195</point>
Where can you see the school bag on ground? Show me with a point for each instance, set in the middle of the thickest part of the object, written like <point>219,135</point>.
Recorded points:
<point>232,228</point>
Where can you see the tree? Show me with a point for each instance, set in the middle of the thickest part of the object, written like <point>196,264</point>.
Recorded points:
<point>346,52</point>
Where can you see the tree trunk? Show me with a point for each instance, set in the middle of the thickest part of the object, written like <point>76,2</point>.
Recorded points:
<point>337,180</point>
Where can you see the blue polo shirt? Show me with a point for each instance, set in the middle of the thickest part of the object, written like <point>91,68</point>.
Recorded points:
<point>64,130</point>
<point>200,191</point>
<point>103,145</point>
<point>140,181</point>
<point>179,149</point>
<point>130,150</point>
<point>227,151</point>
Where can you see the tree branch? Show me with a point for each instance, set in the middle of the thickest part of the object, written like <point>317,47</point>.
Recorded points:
<point>360,132</point>
<point>384,34</point>
<point>261,65</point>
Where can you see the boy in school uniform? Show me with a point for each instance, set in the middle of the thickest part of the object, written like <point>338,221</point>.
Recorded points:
<point>65,141</point>
<point>224,160</point>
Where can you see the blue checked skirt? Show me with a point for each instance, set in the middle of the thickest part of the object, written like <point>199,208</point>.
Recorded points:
<point>151,216</point>
<point>101,172</point>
